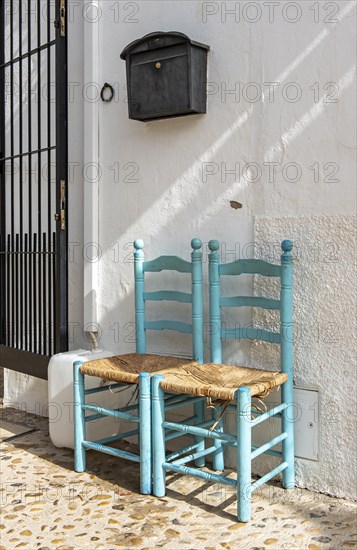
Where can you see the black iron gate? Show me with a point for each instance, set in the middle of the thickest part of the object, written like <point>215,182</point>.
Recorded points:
<point>33,177</point>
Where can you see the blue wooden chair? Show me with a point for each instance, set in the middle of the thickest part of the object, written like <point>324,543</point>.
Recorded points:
<point>136,368</point>
<point>233,387</point>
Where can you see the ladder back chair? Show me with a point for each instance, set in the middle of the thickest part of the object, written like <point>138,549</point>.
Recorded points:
<point>233,386</point>
<point>136,368</point>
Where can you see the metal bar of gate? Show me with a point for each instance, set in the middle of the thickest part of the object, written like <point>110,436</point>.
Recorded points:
<point>49,184</point>
<point>29,53</point>
<point>39,176</point>
<point>3,330</point>
<point>29,153</point>
<point>29,122</point>
<point>8,316</point>
<point>34,290</point>
<point>61,337</point>
<point>11,316</point>
<point>26,257</point>
<point>19,274</point>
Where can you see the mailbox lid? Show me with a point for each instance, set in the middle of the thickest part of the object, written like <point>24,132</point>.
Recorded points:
<point>166,75</point>
<point>158,39</point>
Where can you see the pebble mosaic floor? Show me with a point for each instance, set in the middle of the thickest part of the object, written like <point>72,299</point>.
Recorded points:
<point>45,505</point>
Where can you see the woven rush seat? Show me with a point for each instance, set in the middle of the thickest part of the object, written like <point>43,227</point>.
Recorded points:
<point>220,381</point>
<point>126,368</point>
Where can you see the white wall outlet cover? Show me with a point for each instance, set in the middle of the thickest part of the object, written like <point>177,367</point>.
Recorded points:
<point>305,416</point>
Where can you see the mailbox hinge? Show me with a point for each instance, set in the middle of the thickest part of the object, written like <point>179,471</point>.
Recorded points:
<point>62,17</point>
<point>63,204</point>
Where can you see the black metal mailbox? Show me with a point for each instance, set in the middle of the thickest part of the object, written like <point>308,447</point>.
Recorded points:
<point>166,76</point>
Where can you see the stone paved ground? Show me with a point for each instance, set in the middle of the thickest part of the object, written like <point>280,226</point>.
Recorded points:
<point>46,506</point>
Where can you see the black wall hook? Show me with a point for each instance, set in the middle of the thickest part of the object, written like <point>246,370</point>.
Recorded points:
<point>111,95</point>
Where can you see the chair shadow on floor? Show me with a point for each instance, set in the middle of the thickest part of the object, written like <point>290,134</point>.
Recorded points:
<point>121,474</point>
<point>121,479</point>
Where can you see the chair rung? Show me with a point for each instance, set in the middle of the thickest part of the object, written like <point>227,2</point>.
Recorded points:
<point>170,295</point>
<point>104,388</point>
<point>172,263</point>
<point>130,407</point>
<point>110,451</point>
<point>165,324</point>
<point>92,417</point>
<point>175,434</point>
<point>171,398</point>
<point>260,450</point>
<point>199,473</point>
<point>251,334</point>
<point>269,414</point>
<point>181,452</point>
<point>195,430</point>
<point>117,437</point>
<point>249,301</point>
<point>182,402</point>
<point>278,454</point>
<point>268,476</point>
<point>111,412</point>
<point>253,267</point>
<point>194,456</point>
<point>233,407</point>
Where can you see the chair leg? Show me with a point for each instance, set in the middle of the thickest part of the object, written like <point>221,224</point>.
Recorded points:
<point>244,449</point>
<point>145,433</point>
<point>79,418</point>
<point>158,433</point>
<point>218,457</point>
<point>199,411</point>
<point>288,427</point>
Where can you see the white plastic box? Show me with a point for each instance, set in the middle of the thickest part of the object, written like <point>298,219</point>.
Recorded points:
<point>60,397</point>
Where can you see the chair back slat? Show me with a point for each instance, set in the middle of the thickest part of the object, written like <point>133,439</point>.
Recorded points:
<point>250,267</point>
<point>250,333</point>
<point>249,301</point>
<point>169,263</point>
<point>169,295</point>
<point>219,333</point>
<point>163,324</point>
<point>162,263</point>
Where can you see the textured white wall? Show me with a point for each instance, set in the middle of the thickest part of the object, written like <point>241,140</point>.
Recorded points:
<point>289,157</point>
<point>156,178</point>
<point>324,337</point>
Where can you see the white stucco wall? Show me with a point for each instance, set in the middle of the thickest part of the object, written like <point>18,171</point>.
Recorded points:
<point>324,338</point>
<point>282,145</point>
<point>286,157</point>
